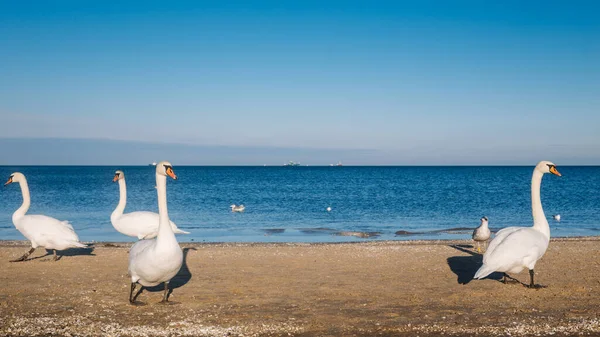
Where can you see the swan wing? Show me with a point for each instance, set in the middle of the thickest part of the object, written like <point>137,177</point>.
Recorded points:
<point>142,224</point>
<point>49,232</point>
<point>500,236</point>
<point>150,265</point>
<point>515,249</point>
<point>139,224</point>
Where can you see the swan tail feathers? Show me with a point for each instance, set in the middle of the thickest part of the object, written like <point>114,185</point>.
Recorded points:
<point>483,271</point>
<point>179,231</point>
<point>79,244</point>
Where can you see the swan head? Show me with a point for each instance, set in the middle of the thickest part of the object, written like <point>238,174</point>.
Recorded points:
<point>16,177</point>
<point>118,175</point>
<point>547,167</point>
<point>164,168</point>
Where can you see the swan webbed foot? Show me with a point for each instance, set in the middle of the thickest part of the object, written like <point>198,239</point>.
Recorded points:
<point>532,284</point>
<point>165,299</point>
<point>137,304</point>
<point>509,279</point>
<point>133,297</point>
<point>25,256</point>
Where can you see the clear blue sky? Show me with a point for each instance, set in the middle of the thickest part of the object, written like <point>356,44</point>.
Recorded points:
<point>423,82</point>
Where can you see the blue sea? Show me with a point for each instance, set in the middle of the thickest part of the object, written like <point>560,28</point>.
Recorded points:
<point>288,204</point>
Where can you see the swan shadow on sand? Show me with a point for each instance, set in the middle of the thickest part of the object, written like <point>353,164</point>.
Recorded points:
<point>182,278</point>
<point>465,267</point>
<point>89,251</point>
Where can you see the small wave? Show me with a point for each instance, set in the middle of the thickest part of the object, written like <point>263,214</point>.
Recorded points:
<point>273,230</point>
<point>403,232</point>
<point>364,235</point>
<point>455,230</point>
<point>319,230</point>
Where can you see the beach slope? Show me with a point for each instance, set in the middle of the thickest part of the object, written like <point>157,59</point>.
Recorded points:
<point>351,289</point>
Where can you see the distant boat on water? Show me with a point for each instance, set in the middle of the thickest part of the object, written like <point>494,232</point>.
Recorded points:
<point>338,164</point>
<point>153,164</point>
<point>292,163</point>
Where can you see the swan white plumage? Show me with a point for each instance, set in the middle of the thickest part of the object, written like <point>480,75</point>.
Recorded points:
<point>239,208</point>
<point>515,248</point>
<point>154,261</point>
<point>140,224</point>
<point>41,230</point>
<point>482,233</point>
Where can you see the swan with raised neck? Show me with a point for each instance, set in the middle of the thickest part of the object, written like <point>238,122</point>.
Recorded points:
<point>140,224</point>
<point>515,248</point>
<point>41,230</point>
<point>156,261</point>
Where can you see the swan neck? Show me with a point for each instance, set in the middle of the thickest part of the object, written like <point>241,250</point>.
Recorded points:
<point>165,233</point>
<point>122,199</point>
<point>20,212</point>
<point>539,218</point>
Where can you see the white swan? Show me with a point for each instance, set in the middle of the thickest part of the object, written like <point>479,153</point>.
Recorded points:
<point>239,208</point>
<point>41,230</point>
<point>141,224</point>
<point>515,248</point>
<point>152,262</point>
<point>482,233</point>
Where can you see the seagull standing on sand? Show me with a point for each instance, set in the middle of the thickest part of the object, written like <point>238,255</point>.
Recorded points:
<point>482,234</point>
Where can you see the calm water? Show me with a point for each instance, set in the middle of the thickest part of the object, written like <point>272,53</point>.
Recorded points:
<point>288,204</point>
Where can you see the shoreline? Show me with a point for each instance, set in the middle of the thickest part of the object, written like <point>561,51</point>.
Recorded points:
<point>363,288</point>
<point>13,243</point>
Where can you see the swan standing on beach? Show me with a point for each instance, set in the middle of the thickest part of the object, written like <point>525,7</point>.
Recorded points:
<point>239,208</point>
<point>152,262</point>
<point>515,248</point>
<point>482,233</point>
<point>141,224</point>
<point>41,230</point>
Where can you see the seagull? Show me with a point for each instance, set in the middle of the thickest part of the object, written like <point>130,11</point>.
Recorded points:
<point>239,208</point>
<point>328,208</point>
<point>556,217</point>
<point>482,233</point>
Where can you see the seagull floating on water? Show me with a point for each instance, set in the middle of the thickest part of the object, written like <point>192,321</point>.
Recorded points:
<point>329,209</point>
<point>239,208</point>
<point>556,217</point>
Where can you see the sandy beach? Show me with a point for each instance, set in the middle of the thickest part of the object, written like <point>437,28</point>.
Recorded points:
<point>417,288</point>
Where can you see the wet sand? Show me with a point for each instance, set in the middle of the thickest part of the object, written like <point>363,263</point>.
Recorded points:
<point>417,288</point>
